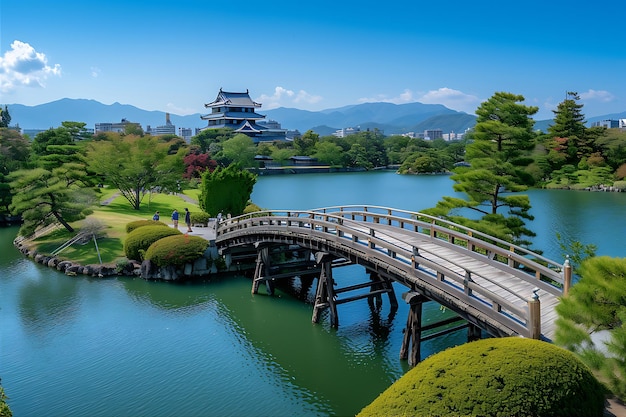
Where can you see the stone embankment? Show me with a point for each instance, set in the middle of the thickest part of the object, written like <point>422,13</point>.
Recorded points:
<point>205,266</point>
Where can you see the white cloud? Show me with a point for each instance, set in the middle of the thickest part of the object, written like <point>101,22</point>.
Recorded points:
<point>601,95</point>
<point>450,98</point>
<point>284,98</point>
<point>405,97</point>
<point>23,66</point>
<point>95,72</point>
<point>453,99</point>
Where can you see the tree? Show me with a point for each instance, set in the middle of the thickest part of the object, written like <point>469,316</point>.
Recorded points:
<point>77,130</point>
<point>592,319</point>
<point>305,145</point>
<point>58,136</point>
<point>430,161</point>
<point>5,117</point>
<point>239,150</point>
<point>196,164</point>
<point>135,165</point>
<point>568,135</point>
<point>14,150</point>
<point>14,153</point>
<point>42,196</point>
<point>328,152</point>
<point>205,138</point>
<point>503,130</point>
<point>226,190</point>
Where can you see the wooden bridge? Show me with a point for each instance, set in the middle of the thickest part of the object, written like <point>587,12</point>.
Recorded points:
<point>493,285</point>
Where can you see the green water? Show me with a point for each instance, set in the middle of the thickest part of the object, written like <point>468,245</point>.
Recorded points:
<point>76,346</point>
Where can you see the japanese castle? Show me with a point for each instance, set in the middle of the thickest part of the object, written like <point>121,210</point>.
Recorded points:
<point>237,111</point>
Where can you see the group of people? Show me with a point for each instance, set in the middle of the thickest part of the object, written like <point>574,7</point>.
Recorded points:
<point>157,216</point>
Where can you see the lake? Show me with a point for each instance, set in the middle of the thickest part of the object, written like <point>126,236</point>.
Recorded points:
<point>77,346</point>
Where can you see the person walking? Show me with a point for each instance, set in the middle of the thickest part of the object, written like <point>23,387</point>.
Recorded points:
<point>175,218</point>
<point>188,220</point>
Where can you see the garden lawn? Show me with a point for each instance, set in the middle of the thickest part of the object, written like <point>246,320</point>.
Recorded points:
<point>113,217</point>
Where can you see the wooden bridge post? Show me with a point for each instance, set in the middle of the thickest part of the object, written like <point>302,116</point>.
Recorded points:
<point>413,329</point>
<point>567,276</point>
<point>534,316</point>
<point>379,283</point>
<point>325,293</point>
<point>473,332</point>
<point>262,270</point>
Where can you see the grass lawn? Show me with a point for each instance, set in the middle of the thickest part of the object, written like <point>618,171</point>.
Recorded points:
<point>114,218</point>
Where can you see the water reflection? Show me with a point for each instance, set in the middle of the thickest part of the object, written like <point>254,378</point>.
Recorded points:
<point>43,302</point>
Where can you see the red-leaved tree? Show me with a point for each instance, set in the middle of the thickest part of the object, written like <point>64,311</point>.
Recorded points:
<point>196,164</point>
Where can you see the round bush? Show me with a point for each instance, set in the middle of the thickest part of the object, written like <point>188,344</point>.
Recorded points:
<point>140,223</point>
<point>140,239</point>
<point>176,250</point>
<point>495,377</point>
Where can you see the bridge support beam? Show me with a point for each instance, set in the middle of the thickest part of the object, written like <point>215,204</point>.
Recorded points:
<point>473,332</point>
<point>325,296</point>
<point>379,285</point>
<point>262,270</point>
<point>413,329</point>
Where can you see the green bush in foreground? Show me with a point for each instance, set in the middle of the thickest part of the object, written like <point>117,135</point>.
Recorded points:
<point>140,223</point>
<point>495,377</point>
<point>140,239</point>
<point>176,250</point>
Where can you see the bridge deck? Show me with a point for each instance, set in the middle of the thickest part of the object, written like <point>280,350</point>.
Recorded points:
<point>489,276</point>
<point>488,281</point>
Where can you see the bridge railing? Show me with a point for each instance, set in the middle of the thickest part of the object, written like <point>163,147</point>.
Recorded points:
<point>544,270</point>
<point>372,243</point>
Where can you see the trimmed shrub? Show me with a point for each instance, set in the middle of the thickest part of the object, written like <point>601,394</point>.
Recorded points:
<point>140,223</point>
<point>200,218</point>
<point>510,376</point>
<point>176,250</point>
<point>140,239</point>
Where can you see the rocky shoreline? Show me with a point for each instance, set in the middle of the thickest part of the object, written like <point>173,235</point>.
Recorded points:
<point>202,267</point>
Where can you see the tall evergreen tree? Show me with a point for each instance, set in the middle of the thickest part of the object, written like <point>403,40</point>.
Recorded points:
<point>569,135</point>
<point>226,190</point>
<point>503,131</point>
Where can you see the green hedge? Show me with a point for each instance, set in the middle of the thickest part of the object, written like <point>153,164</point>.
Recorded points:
<point>495,377</point>
<point>176,250</point>
<point>199,217</point>
<point>140,223</point>
<point>140,239</point>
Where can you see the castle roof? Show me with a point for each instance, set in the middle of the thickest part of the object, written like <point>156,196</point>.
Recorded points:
<point>226,98</point>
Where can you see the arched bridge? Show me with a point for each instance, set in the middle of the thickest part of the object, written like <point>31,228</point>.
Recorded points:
<point>496,286</point>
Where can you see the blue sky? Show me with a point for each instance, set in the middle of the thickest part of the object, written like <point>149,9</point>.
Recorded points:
<point>175,55</point>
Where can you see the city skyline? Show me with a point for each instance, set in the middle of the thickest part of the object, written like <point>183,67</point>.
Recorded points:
<point>174,57</point>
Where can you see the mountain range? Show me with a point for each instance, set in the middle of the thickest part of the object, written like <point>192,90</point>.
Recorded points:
<point>386,117</point>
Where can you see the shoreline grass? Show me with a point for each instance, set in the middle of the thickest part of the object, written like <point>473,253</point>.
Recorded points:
<point>113,217</point>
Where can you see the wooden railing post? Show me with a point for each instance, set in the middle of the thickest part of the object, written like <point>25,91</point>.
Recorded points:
<point>567,276</point>
<point>534,316</point>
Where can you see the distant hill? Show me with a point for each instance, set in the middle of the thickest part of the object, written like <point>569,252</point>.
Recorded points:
<point>45,116</point>
<point>386,117</point>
